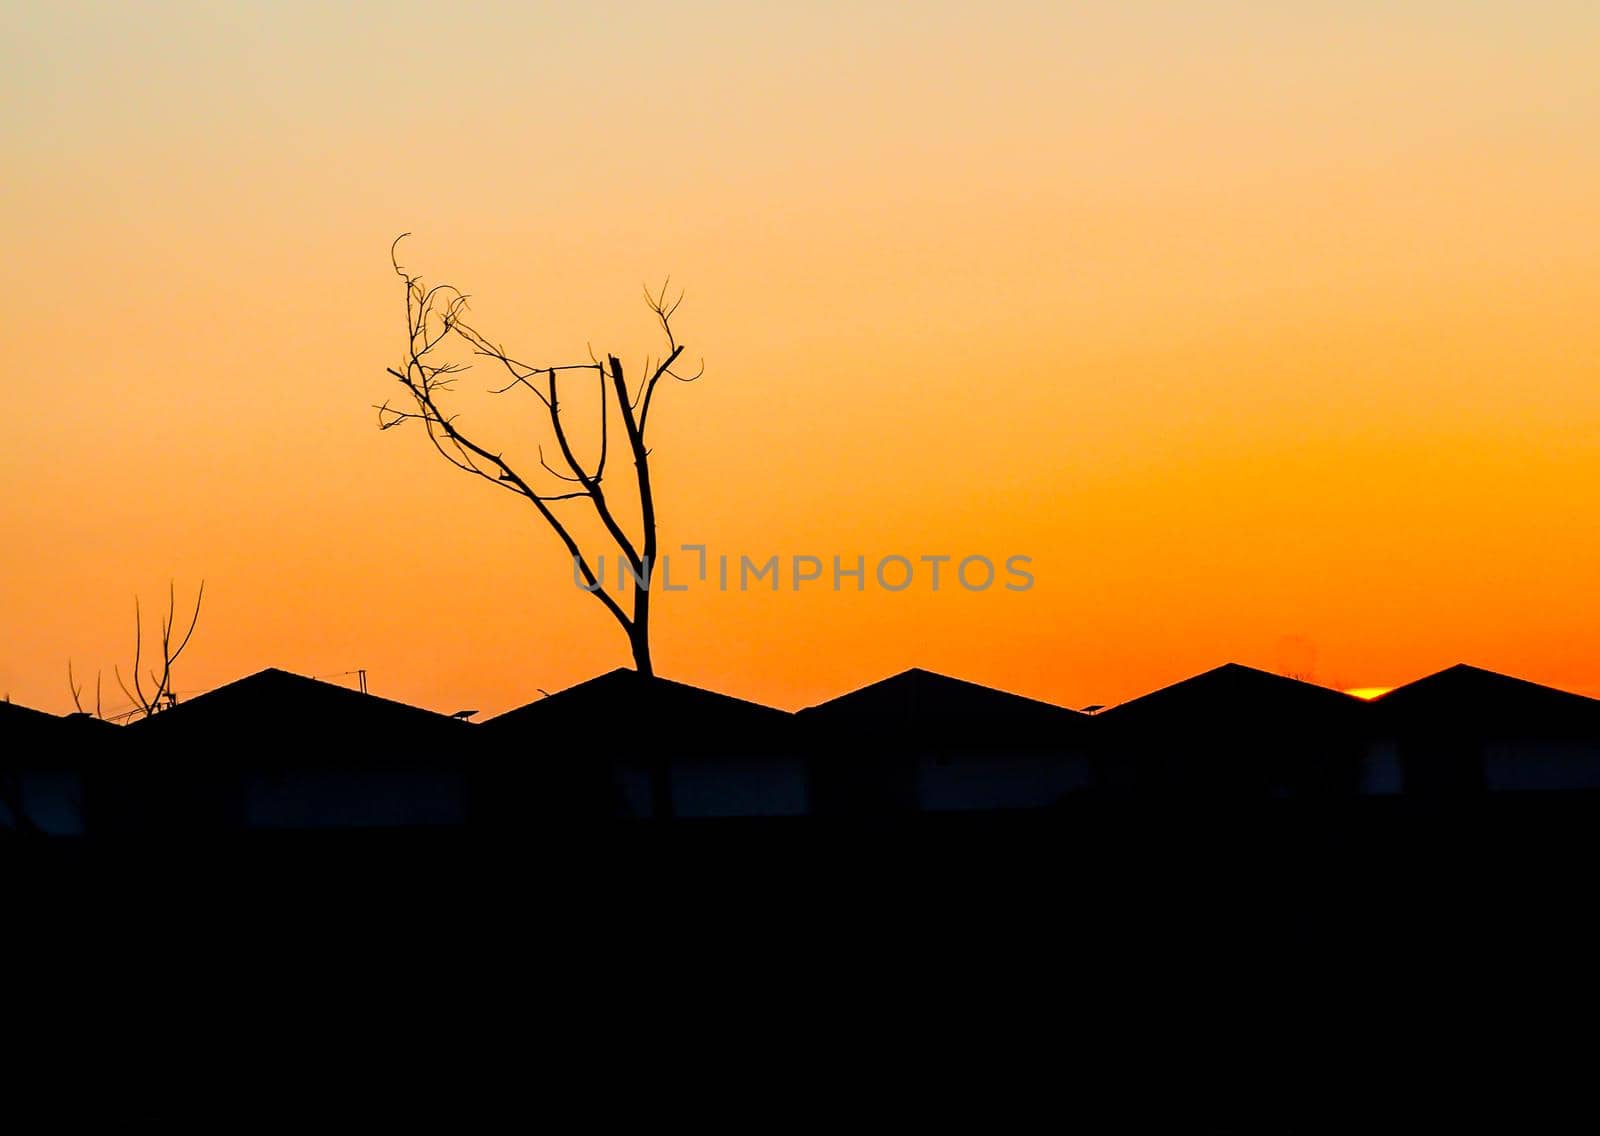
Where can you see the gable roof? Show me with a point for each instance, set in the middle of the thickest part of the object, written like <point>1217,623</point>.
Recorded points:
<point>278,706</point>
<point>1464,698</point>
<point>50,739</point>
<point>926,707</point>
<point>623,709</point>
<point>1235,698</point>
<point>15,718</point>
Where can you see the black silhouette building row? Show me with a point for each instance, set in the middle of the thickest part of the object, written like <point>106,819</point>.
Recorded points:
<point>276,751</point>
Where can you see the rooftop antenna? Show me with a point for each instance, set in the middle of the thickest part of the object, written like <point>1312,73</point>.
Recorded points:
<point>361,677</point>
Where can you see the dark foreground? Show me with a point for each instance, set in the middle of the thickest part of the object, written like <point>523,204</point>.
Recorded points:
<point>1100,878</point>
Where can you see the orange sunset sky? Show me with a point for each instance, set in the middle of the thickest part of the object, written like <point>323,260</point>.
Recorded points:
<point>1267,331</point>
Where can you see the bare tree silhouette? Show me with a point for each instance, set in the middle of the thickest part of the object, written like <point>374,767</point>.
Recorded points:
<point>77,691</point>
<point>436,313</point>
<point>161,695</point>
<point>15,815</point>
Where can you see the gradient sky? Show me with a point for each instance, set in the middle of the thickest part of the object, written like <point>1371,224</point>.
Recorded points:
<point>1267,331</point>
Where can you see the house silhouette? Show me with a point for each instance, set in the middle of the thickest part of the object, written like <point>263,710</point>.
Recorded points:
<point>924,742</point>
<point>626,745</point>
<point>44,762</point>
<point>1238,732</point>
<point>280,751</point>
<point>1464,731</point>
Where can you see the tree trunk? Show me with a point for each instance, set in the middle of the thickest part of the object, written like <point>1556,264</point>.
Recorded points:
<point>639,633</point>
<point>660,763</point>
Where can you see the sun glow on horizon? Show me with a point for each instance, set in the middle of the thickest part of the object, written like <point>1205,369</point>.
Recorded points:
<point>1368,693</point>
